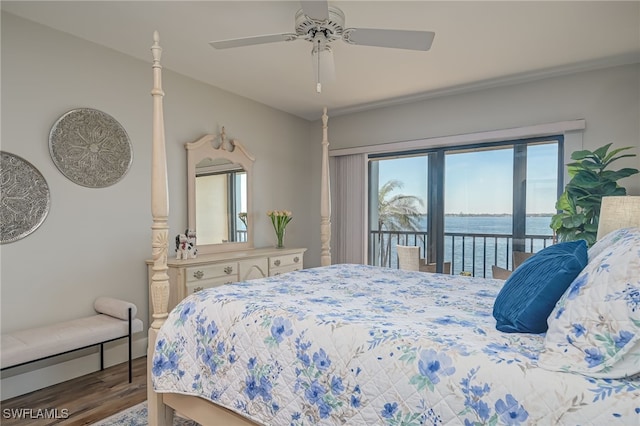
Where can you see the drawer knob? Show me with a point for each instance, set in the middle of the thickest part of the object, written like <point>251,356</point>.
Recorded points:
<point>296,259</point>
<point>228,270</point>
<point>276,262</point>
<point>198,274</point>
<point>197,289</point>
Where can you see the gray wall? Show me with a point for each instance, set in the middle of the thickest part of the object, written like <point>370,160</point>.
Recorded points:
<point>95,241</point>
<point>608,99</point>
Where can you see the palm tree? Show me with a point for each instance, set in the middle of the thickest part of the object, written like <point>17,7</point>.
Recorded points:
<point>396,213</point>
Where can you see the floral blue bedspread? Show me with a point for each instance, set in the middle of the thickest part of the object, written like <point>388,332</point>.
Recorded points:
<point>362,345</point>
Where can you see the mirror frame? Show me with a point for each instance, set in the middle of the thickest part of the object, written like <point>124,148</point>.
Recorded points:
<point>212,146</point>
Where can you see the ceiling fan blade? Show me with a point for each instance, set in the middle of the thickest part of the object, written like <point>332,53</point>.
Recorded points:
<point>316,9</point>
<point>250,41</point>
<point>398,39</point>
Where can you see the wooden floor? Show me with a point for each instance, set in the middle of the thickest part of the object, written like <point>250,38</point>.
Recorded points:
<point>86,399</point>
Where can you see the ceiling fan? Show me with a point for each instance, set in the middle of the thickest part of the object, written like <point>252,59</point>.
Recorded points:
<point>321,24</point>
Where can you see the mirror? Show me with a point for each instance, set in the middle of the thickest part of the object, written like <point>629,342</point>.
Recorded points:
<point>221,202</point>
<point>219,193</point>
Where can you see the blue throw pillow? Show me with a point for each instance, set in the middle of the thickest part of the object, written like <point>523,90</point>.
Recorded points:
<point>532,291</point>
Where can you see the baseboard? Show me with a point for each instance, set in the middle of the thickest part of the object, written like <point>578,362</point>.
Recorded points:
<point>42,374</point>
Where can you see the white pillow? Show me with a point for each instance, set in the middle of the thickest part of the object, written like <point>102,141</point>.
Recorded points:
<point>611,238</point>
<point>594,328</point>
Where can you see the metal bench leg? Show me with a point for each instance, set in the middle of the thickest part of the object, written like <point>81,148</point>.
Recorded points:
<point>130,351</point>
<point>101,356</point>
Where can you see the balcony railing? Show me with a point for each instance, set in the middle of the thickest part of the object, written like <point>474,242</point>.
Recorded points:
<point>241,235</point>
<point>467,252</point>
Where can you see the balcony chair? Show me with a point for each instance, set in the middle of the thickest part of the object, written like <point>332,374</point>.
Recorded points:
<point>518,258</point>
<point>409,259</point>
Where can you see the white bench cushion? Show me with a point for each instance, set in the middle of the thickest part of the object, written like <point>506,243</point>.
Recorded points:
<point>35,343</point>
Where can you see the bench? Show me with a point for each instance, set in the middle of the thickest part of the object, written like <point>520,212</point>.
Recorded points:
<point>115,319</point>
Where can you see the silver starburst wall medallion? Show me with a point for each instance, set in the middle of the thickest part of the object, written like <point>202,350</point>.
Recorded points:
<point>24,198</point>
<point>90,148</point>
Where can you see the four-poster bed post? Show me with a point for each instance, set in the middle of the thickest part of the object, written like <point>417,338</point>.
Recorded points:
<point>161,406</point>
<point>159,235</point>
<point>325,197</point>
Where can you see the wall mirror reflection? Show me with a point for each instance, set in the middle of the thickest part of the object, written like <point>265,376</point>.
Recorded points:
<point>221,202</point>
<point>219,193</point>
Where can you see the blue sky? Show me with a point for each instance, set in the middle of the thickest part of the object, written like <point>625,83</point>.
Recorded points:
<point>480,181</point>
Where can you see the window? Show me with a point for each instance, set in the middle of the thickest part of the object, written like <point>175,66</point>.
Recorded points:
<point>399,192</point>
<point>469,205</point>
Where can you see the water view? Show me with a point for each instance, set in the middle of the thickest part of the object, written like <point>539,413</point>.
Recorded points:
<point>473,243</point>
<point>494,224</point>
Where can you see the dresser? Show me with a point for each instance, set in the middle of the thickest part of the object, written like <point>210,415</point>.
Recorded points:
<point>212,270</point>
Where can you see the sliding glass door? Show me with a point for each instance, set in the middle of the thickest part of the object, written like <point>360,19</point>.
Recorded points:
<point>467,207</point>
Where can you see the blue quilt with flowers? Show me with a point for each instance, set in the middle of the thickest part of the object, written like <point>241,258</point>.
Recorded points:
<point>363,345</point>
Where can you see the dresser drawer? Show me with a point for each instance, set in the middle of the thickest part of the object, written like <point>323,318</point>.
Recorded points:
<point>286,260</point>
<point>285,263</point>
<point>194,287</point>
<point>290,268</point>
<point>202,273</point>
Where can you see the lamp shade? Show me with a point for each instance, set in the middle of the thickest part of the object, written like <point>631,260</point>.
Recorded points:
<point>618,212</point>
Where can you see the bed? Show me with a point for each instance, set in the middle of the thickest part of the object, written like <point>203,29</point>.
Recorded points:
<point>363,345</point>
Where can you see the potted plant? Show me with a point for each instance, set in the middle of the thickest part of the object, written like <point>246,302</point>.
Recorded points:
<point>579,204</point>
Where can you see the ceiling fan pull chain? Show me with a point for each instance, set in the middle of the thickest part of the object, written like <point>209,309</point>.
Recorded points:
<point>318,84</point>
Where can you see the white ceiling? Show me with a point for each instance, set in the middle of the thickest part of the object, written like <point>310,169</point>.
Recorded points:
<point>477,44</point>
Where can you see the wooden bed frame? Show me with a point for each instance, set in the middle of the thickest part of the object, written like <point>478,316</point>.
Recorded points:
<point>161,407</point>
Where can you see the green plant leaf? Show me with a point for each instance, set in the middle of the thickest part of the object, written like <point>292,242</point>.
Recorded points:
<point>575,192</point>
<point>602,151</point>
<point>609,157</point>
<point>573,169</point>
<point>587,164</point>
<point>585,179</point>
<point>565,204</point>
<point>582,154</point>
<point>567,234</point>
<point>610,187</point>
<point>619,174</point>
<point>556,221</point>
<point>573,221</point>
<point>619,157</point>
<point>590,227</point>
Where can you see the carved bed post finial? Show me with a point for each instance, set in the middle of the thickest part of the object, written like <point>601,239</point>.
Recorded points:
<point>325,197</point>
<point>159,196</point>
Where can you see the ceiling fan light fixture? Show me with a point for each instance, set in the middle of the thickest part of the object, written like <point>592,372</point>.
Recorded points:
<point>308,28</point>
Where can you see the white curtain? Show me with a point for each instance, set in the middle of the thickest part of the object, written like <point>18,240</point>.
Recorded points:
<point>349,208</point>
